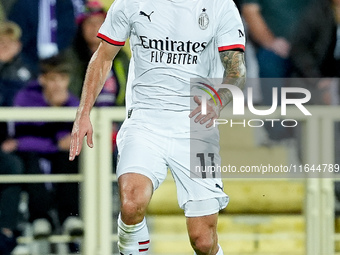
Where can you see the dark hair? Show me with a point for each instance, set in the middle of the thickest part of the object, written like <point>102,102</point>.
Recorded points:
<point>59,63</point>
<point>81,47</point>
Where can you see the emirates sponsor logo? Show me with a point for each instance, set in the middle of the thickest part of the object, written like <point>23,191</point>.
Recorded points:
<point>172,51</point>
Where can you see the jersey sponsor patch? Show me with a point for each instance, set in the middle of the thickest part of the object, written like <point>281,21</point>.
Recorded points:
<point>173,51</point>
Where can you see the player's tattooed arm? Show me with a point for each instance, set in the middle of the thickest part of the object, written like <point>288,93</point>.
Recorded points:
<point>234,73</point>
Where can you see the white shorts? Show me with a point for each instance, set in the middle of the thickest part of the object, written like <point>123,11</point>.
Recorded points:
<point>146,147</point>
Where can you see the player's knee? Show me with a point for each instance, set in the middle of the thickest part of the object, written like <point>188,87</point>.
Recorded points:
<point>135,194</point>
<point>133,208</point>
<point>202,244</point>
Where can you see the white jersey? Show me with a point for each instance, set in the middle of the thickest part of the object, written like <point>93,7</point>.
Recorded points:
<point>172,41</point>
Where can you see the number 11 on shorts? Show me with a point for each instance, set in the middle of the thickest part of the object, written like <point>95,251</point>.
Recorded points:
<point>206,167</point>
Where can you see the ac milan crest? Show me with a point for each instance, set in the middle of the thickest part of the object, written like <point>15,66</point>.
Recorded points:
<point>203,19</point>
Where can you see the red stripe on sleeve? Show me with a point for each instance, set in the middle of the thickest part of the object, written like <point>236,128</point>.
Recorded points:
<point>232,47</point>
<point>107,39</point>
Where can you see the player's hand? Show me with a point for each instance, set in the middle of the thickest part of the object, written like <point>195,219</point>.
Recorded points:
<point>213,112</point>
<point>81,127</point>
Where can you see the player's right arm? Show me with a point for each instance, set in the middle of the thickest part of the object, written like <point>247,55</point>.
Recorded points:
<point>97,71</point>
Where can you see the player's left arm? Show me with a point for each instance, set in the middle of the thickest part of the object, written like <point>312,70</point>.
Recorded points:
<point>234,74</point>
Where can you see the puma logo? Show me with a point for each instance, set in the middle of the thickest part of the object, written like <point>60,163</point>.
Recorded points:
<point>218,186</point>
<point>146,15</point>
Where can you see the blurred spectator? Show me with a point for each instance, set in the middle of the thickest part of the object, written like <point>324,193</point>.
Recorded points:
<point>85,44</point>
<point>271,25</point>
<point>49,141</point>
<point>48,27</point>
<point>13,77</point>
<point>315,51</point>
<point>14,74</point>
<point>9,203</point>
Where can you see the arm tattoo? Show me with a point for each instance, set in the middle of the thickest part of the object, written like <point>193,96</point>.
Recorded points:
<point>234,74</point>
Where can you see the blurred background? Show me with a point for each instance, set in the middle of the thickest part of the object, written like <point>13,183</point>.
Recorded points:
<point>49,205</point>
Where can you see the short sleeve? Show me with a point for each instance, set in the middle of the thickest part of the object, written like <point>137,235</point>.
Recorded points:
<point>115,29</point>
<point>230,31</point>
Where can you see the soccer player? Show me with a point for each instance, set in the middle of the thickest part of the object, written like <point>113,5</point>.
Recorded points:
<point>171,41</point>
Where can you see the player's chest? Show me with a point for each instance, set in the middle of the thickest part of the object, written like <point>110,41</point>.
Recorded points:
<point>173,22</point>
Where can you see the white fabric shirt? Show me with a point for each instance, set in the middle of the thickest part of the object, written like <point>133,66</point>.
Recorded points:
<point>172,41</point>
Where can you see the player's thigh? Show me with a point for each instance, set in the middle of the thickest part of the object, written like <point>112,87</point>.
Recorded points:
<point>141,169</point>
<point>141,152</point>
<point>191,185</point>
